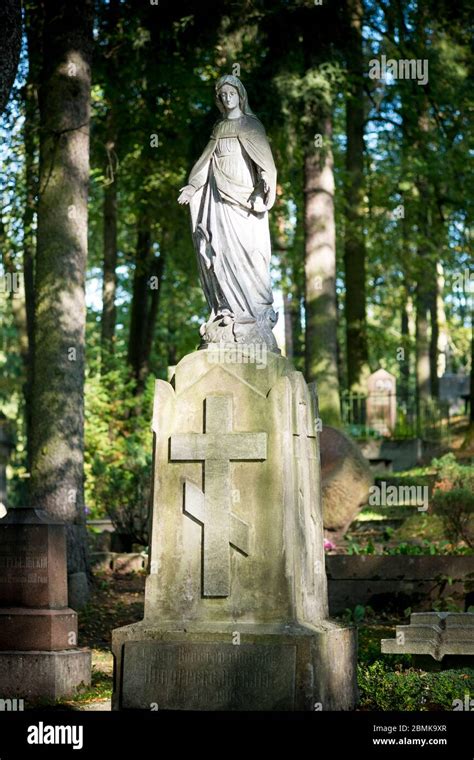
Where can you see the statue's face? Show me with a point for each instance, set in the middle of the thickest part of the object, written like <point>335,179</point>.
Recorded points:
<point>229,97</point>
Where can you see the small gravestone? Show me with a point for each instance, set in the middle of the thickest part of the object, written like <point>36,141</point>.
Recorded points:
<point>39,656</point>
<point>437,634</point>
<point>381,409</point>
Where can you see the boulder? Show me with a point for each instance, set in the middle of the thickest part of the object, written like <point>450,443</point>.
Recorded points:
<point>346,478</point>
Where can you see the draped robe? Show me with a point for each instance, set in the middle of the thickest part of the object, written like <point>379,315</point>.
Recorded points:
<point>231,237</point>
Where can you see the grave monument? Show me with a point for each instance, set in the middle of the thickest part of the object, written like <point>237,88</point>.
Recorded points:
<point>382,402</point>
<point>39,656</point>
<point>236,609</point>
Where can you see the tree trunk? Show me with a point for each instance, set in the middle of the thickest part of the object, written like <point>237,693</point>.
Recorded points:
<point>139,306</point>
<point>57,473</point>
<point>434,339</point>
<point>423,365</point>
<point>320,276</point>
<point>109,285</point>
<point>354,244</point>
<point>295,317</point>
<point>156,274</point>
<point>423,276</point>
<point>280,250</point>
<point>10,44</point>
<point>288,315</point>
<point>405,361</point>
<point>33,28</point>
<point>145,301</point>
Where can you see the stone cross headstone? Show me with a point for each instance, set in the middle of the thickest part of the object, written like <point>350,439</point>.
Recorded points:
<point>39,656</point>
<point>381,408</point>
<point>236,608</point>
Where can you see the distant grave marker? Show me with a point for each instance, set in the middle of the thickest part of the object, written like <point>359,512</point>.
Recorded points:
<point>382,402</point>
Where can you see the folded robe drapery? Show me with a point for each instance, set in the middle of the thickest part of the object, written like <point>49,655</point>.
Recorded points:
<point>231,237</point>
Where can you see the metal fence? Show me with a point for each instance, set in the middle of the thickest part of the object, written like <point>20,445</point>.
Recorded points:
<point>395,416</point>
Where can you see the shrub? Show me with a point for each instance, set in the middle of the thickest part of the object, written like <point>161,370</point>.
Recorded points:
<point>118,453</point>
<point>453,498</point>
<point>382,688</point>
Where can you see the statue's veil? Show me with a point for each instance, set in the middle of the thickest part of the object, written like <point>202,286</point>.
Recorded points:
<point>243,98</point>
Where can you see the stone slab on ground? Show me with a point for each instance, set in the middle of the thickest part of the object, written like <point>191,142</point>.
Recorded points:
<point>434,633</point>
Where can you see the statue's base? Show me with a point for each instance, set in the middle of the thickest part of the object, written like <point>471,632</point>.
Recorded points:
<point>226,330</point>
<point>257,668</point>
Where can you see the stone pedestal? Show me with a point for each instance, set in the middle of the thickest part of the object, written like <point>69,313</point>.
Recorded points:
<point>39,656</point>
<point>236,614</point>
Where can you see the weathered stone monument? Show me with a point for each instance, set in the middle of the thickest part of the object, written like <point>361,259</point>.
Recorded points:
<point>39,656</point>
<point>236,600</point>
<point>440,635</point>
<point>236,610</point>
<point>381,409</point>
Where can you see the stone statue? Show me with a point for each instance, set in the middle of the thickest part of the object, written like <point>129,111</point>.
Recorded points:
<point>251,570</point>
<point>230,191</point>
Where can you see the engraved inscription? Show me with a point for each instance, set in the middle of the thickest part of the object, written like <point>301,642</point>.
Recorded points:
<point>18,565</point>
<point>209,676</point>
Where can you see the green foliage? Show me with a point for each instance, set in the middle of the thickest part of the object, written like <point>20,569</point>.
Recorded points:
<point>382,688</point>
<point>357,615</point>
<point>119,452</point>
<point>453,498</point>
<point>425,548</point>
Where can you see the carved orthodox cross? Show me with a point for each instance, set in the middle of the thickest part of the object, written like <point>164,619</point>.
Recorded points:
<point>217,447</point>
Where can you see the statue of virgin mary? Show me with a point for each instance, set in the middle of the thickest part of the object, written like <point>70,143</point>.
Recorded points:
<point>230,191</point>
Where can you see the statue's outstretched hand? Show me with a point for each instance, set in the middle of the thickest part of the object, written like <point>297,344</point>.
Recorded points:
<point>187,193</point>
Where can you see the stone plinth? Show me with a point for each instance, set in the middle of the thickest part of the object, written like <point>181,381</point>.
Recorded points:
<point>41,674</point>
<point>236,613</point>
<point>437,634</point>
<point>39,656</point>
